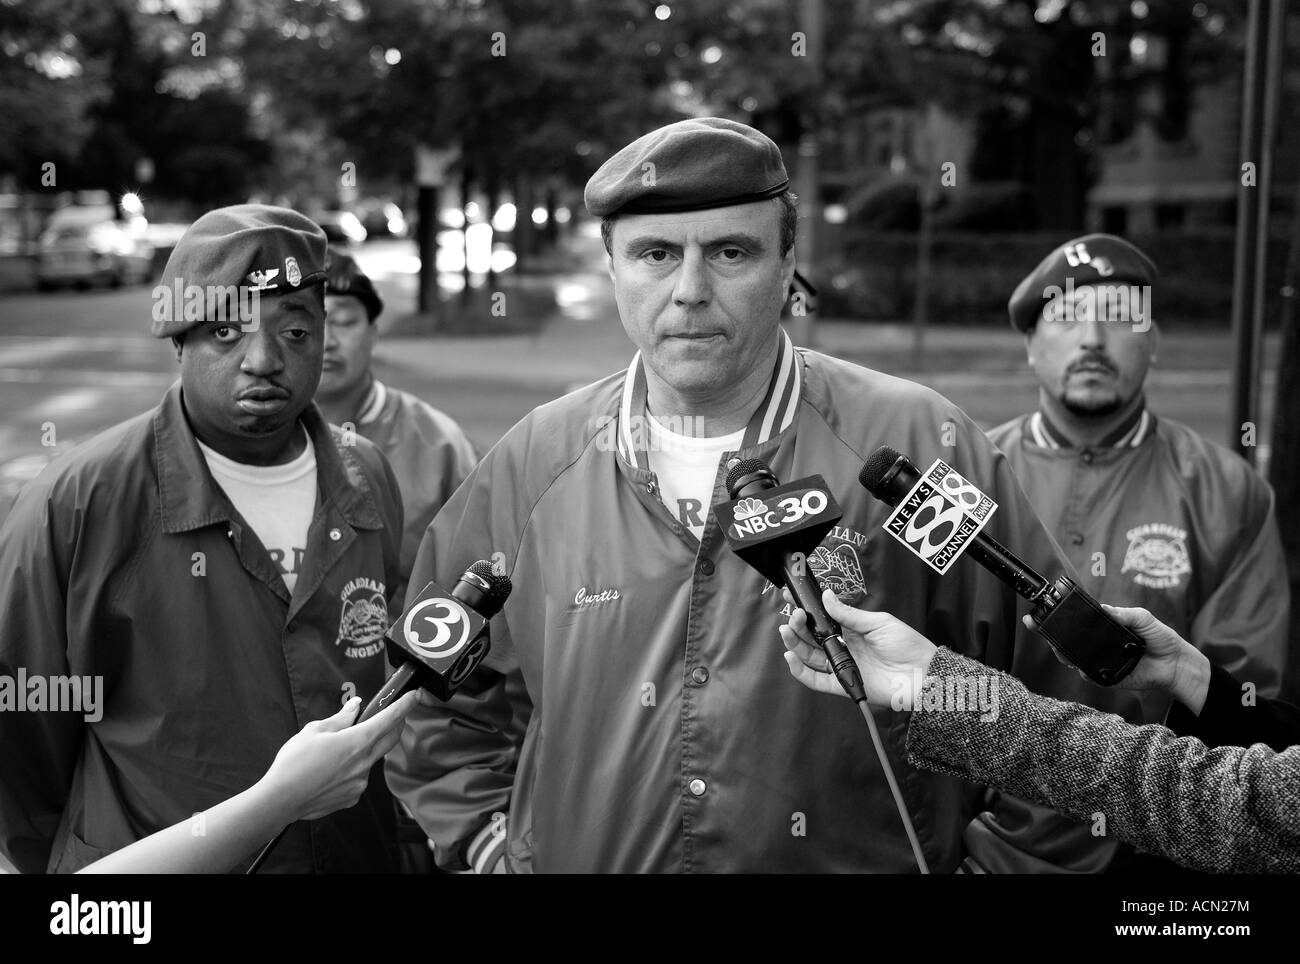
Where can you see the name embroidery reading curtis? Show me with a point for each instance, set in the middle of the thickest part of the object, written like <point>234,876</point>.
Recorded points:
<point>584,598</point>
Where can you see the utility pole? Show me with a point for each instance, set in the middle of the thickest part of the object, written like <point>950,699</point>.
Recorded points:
<point>431,167</point>
<point>1260,90</point>
<point>808,175</point>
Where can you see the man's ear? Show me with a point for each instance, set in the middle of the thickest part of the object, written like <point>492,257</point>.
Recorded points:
<point>177,342</point>
<point>1029,347</point>
<point>1155,340</point>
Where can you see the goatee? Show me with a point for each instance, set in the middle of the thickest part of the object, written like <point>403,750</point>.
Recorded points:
<point>1092,408</point>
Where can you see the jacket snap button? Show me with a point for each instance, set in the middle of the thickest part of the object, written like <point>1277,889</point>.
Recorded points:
<point>1077,539</point>
<point>700,675</point>
<point>697,787</point>
<point>706,567</point>
<point>335,535</point>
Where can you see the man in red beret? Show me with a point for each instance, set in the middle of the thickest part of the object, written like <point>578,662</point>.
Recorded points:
<point>663,733</point>
<point>1148,512</point>
<point>222,565</point>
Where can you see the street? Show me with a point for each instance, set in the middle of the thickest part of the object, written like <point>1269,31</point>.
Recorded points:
<point>74,363</point>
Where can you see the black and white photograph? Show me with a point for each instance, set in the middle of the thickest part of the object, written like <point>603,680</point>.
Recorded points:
<point>778,439</point>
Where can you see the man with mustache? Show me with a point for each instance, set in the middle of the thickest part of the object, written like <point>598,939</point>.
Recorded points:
<point>1148,512</point>
<point>200,558</point>
<point>661,733</point>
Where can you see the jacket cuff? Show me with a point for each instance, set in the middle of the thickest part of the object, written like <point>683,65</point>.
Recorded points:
<point>1220,717</point>
<point>487,848</point>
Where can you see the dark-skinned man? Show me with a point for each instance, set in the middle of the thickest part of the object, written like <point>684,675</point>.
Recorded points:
<point>222,562</point>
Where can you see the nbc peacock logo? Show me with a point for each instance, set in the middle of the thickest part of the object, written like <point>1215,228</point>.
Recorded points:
<point>750,508</point>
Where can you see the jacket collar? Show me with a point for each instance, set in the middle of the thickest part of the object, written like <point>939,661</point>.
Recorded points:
<point>1129,434</point>
<point>773,416</point>
<point>190,498</point>
<point>373,403</point>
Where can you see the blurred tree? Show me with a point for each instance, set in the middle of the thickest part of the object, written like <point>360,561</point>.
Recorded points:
<point>48,81</point>
<point>99,85</point>
<point>1047,79</point>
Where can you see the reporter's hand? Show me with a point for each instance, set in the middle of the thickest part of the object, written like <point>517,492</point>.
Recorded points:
<point>325,766</point>
<point>1170,664</point>
<point>888,651</point>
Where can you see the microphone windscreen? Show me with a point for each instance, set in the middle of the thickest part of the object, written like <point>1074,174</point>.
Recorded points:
<point>743,468</point>
<point>877,467</point>
<point>499,586</point>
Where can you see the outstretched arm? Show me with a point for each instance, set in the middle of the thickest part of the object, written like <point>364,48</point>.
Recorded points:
<point>322,768</point>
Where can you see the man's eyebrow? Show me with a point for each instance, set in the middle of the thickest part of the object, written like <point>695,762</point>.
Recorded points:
<point>299,301</point>
<point>739,239</point>
<point>643,242</point>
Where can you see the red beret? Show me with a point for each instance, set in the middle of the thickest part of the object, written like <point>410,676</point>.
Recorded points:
<point>1094,259</point>
<point>248,247</point>
<point>705,162</point>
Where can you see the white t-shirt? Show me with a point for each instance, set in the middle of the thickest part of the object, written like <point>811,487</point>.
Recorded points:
<point>687,467</point>
<point>278,501</point>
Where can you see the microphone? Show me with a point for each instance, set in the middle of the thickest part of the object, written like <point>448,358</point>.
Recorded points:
<point>777,545</point>
<point>456,624</point>
<point>442,637</point>
<point>939,515</point>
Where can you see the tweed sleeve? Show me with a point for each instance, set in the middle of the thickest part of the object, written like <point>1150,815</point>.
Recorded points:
<point>1230,809</point>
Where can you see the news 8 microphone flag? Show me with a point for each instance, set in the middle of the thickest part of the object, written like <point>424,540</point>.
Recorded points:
<point>1071,621</point>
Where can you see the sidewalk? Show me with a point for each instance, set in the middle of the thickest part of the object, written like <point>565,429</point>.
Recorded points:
<point>578,341</point>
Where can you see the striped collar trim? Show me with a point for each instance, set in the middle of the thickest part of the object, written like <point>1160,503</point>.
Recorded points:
<point>374,403</point>
<point>772,417</point>
<point>1130,434</point>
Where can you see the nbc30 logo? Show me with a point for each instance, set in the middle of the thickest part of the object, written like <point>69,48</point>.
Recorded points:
<point>752,516</point>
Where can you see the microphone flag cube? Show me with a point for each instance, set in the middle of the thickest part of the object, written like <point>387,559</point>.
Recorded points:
<point>940,516</point>
<point>794,517</point>
<point>446,638</point>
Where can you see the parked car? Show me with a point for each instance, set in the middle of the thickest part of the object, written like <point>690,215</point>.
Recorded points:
<point>82,253</point>
<point>341,227</point>
<point>382,219</point>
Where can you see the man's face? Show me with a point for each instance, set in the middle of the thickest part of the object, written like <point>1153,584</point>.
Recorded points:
<point>700,292</point>
<point>349,343</point>
<point>253,384</point>
<point>1092,363</point>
